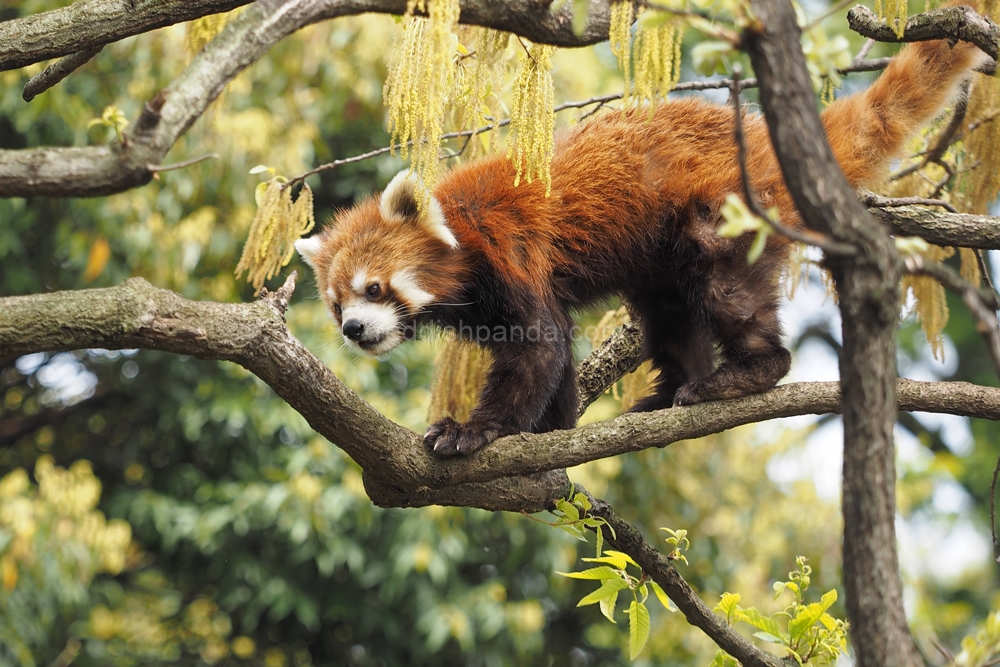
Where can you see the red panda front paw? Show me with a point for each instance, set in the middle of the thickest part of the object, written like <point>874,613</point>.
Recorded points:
<point>449,438</point>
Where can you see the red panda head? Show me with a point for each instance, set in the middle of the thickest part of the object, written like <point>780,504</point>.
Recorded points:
<point>381,263</point>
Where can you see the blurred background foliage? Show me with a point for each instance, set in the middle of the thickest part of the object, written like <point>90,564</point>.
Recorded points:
<point>155,508</point>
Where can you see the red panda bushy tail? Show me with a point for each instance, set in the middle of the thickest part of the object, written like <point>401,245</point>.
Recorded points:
<point>870,128</point>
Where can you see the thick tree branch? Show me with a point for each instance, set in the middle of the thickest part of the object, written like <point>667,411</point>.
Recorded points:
<point>959,22</point>
<point>617,356</point>
<point>92,24</point>
<point>944,229</point>
<point>398,469</point>
<point>86,25</point>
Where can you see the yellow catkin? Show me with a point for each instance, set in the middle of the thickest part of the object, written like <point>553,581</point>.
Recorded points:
<point>278,224</point>
<point>620,39</point>
<point>982,184</point>
<point>970,265</point>
<point>930,303</point>
<point>532,120</point>
<point>657,59</point>
<point>420,82</point>
<point>894,13</point>
<point>479,90</point>
<point>461,373</point>
<point>201,31</point>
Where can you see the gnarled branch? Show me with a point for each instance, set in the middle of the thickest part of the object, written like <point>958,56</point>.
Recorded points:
<point>398,468</point>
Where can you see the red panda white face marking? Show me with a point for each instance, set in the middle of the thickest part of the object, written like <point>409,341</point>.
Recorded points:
<point>379,265</point>
<point>404,284</point>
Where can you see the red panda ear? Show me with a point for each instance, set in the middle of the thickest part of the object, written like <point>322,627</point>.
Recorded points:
<point>309,248</point>
<point>399,204</point>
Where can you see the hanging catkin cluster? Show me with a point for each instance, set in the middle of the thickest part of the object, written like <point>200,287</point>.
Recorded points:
<point>930,303</point>
<point>657,51</point>
<point>462,369</point>
<point>532,120</point>
<point>482,103</point>
<point>419,85</point>
<point>657,59</point>
<point>620,39</point>
<point>982,184</point>
<point>893,12</point>
<point>278,224</point>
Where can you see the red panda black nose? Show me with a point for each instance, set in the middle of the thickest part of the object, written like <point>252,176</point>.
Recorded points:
<point>354,329</point>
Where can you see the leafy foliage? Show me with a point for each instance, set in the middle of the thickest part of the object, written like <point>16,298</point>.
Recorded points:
<point>810,635</point>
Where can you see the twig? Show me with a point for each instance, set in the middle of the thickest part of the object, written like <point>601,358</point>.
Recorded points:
<point>156,168</point>
<point>829,246</point>
<point>863,51</point>
<point>948,655</point>
<point>870,199</point>
<point>981,304</point>
<point>58,71</point>
<point>600,101</point>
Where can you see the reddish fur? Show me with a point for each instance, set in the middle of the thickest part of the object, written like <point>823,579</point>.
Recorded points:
<point>633,211</point>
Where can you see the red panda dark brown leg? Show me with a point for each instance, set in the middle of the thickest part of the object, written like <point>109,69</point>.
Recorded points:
<point>561,413</point>
<point>741,303</point>
<point>525,388</point>
<point>679,348</point>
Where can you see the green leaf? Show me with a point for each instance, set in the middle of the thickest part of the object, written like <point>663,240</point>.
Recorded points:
<point>761,622</point>
<point>662,597</point>
<point>759,243</point>
<point>603,572</point>
<point>600,540</point>
<point>616,558</point>
<point>739,219</point>
<point>728,604</point>
<point>568,509</point>
<point>608,590</point>
<point>768,637</point>
<point>574,529</point>
<point>804,620</point>
<point>608,606</point>
<point>638,628</point>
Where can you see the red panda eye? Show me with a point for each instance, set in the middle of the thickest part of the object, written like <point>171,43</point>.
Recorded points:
<point>336,309</point>
<point>374,290</point>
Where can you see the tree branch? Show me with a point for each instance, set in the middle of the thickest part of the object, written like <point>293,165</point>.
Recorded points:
<point>959,22</point>
<point>83,26</point>
<point>399,471</point>
<point>87,25</point>
<point>55,73</point>
<point>945,229</point>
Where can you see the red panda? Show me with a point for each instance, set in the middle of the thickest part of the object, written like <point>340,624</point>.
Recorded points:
<point>633,212</point>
